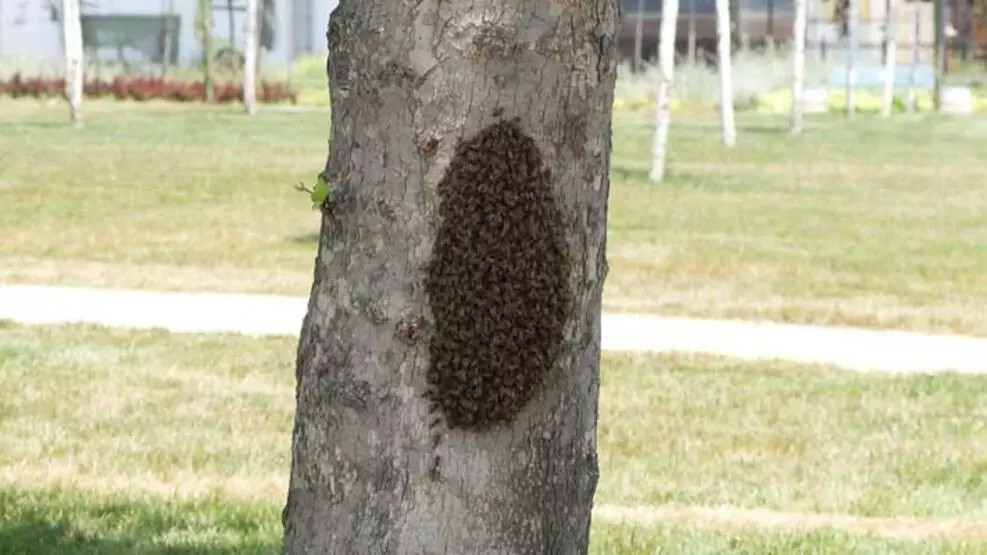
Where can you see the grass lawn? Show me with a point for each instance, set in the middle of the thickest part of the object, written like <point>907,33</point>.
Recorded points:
<point>115,441</point>
<point>871,223</point>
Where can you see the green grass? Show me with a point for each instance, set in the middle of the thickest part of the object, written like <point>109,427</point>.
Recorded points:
<point>74,523</point>
<point>115,441</point>
<point>870,223</point>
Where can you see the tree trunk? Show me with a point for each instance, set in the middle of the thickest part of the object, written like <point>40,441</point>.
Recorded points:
<point>738,33</point>
<point>691,38</point>
<point>205,34</point>
<point>851,53</point>
<point>666,78</point>
<point>250,59</point>
<point>891,32</point>
<point>72,38</point>
<point>939,52</point>
<point>638,35</point>
<point>726,77</point>
<point>166,46</point>
<point>916,52</point>
<point>448,366</point>
<point>798,66</point>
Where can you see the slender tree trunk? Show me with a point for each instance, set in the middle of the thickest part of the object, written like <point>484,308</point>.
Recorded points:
<point>770,27</point>
<point>72,39</point>
<point>738,33</point>
<point>798,66</point>
<point>448,366</point>
<point>890,56</point>
<point>913,73</point>
<point>638,35</point>
<point>205,34</point>
<point>851,54</point>
<point>939,54</point>
<point>250,59</point>
<point>691,52</point>
<point>169,8</point>
<point>726,77</point>
<point>666,78</point>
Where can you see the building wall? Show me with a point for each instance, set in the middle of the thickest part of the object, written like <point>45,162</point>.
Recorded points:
<point>27,30</point>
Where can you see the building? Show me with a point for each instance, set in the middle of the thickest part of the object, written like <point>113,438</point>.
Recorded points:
<point>135,30</point>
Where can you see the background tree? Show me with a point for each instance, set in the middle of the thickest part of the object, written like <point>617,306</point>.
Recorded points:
<point>798,66</point>
<point>663,98</point>
<point>890,56</point>
<point>447,369</point>
<point>939,51</point>
<point>250,51</point>
<point>638,36</point>
<point>72,41</point>
<point>726,78</point>
<point>851,55</point>
<point>916,54</point>
<point>691,34</point>
<point>203,33</point>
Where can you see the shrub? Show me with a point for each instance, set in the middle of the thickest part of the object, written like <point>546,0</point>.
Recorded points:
<point>143,88</point>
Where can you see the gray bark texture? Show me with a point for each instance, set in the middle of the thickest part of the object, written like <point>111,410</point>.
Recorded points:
<point>448,366</point>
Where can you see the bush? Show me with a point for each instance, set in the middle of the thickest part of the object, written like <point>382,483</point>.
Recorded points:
<point>143,88</point>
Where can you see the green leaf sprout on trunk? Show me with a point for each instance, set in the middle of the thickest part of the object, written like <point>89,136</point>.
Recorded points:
<point>319,193</point>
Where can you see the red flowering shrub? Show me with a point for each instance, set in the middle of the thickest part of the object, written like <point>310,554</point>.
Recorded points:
<point>144,88</point>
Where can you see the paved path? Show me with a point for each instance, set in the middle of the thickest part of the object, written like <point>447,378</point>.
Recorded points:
<point>856,349</point>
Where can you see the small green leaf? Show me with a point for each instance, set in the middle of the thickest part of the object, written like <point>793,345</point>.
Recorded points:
<point>320,192</point>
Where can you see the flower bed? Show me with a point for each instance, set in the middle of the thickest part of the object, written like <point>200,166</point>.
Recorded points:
<point>145,88</point>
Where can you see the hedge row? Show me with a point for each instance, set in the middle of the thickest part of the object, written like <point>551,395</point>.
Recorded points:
<point>144,88</point>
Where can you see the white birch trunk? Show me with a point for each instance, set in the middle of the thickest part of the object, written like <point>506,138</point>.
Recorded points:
<point>890,56</point>
<point>798,66</point>
<point>913,74</point>
<point>666,79</point>
<point>250,59</point>
<point>72,39</point>
<point>851,53</point>
<point>726,78</point>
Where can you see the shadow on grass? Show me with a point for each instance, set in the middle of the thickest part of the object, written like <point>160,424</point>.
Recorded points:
<point>73,523</point>
<point>306,239</point>
<point>763,129</point>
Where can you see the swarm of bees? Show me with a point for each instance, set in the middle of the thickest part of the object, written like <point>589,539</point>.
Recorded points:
<point>498,280</point>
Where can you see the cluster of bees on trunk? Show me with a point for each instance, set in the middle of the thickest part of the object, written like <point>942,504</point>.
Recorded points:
<point>497,282</point>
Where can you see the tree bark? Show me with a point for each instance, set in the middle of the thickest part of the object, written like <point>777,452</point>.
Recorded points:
<point>204,21</point>
<point>890,55</point>
<point>913,73</point>
<point>798,66</point>
<point>666,78</point>
<point>851,53</point>
<point>448,365</point>
<point>939,51</point>
<point>691,37</point>
<point>727,124</point>
<point>72,39</point>
<point>638,36</point>
<point>250,59</point>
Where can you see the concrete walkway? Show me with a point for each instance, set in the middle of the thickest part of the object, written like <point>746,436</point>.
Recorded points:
<point>850,348</point>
